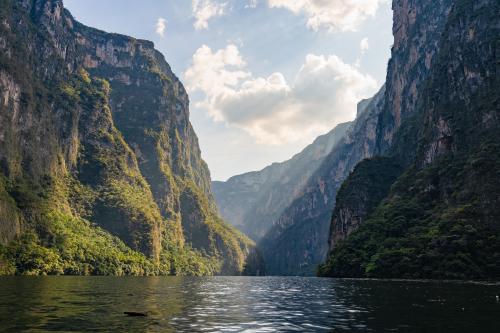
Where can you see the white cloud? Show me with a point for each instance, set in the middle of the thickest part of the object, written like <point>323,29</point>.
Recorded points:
<point>364,45</point>
<point>252,4</point>
<point>216,74</point>
<point>204,10</point>
<point>161,26</point>
<point>324,92</point>
<point>335,15</point>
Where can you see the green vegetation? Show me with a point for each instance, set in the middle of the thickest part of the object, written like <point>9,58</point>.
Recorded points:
<point>367,185</point>
<point>57,242</point>
<point>223,240</point>
<point>438,222</point>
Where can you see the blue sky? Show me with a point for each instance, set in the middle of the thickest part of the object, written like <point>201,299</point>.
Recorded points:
<point>265,77</point>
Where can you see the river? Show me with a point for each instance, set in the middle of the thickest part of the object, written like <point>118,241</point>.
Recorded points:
<point>244,304</point>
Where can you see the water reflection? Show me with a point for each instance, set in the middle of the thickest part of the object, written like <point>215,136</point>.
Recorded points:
<point>240,304</point>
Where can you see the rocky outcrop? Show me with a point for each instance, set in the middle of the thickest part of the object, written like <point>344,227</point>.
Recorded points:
<point>359,195</point>
<point>95,126</point>
<point>417,28</point>
<point>253,201</point>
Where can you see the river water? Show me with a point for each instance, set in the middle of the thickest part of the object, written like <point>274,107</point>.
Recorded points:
<point>244,304</point>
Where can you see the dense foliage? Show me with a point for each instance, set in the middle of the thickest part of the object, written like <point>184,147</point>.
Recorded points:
<point>421,232</point>
<point>56,241</point>
<point>367,185</point>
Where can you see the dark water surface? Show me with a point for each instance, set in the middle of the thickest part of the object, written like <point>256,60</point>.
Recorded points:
<point>240,304</point>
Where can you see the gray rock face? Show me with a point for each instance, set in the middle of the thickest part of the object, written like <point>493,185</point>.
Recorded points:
<point>417,29</point>
<point>359,195</point>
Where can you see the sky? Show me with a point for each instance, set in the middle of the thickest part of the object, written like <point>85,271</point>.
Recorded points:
<point>265,77</point>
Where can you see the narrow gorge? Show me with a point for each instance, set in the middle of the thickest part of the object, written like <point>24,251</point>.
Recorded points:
<point>101,170</point>
<point>359,141</point>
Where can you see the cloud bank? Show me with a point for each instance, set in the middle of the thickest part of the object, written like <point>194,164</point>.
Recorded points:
<point>335,15</point>
<point>324,92</point>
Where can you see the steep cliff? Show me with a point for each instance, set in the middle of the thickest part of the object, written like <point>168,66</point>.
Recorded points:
<point>95,127</point>
<point>418,27</point>
<point>253,201</point>
<point>440,217</point>
<point>359,195</point>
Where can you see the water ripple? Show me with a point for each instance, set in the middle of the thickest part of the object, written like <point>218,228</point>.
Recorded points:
<point>239,304</point>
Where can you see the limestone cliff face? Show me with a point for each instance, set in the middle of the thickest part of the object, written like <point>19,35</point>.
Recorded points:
<point>253,201</point>
<point>438,217</point>
<point>101,123</point>
<point>460,106</point>
<point>417,29</point>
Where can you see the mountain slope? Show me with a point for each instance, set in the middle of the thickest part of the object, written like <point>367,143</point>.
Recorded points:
<point>439,219</point>
<point>95,127</point>
<point>253,201</point>
<point>298,240</point>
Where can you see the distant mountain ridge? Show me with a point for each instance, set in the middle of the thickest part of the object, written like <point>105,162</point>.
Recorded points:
<point>298,240</point>
<point>252,201</point>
